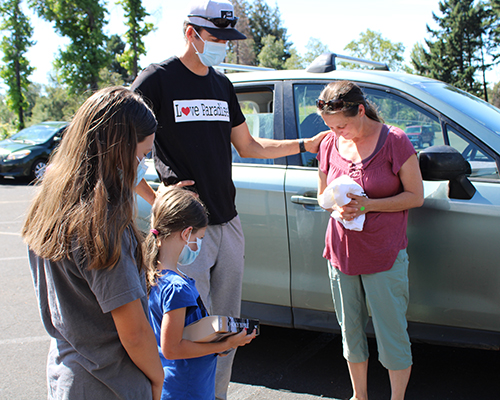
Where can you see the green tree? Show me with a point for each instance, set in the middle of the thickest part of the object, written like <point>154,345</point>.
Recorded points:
<point>137,29</point>
<point>492,24</point>
<point>417,57</point>
<point>372,46</point>
<point>272,53</point>
<point>490,40</point>
<point>14,45</point>
<point>264,22</point>
<point>7,119</point>
<point>242,51</point>
<point>455,55</point>
<point>494,95</point>
<point>56,103</point>
<point>115,47</point>
<point>314,48</point>
<point>83,22</point>
<point>295,61</point>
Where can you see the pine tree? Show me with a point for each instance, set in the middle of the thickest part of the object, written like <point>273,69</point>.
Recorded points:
<point>137,29</point>
<point>266,21</point>
<point>115,46</point>
<point>242,51</point>
<point>83,22</point>
<point>455,54</point>
<point>14,45</point>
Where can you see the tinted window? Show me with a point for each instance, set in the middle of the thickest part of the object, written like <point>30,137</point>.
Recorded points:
<point>482,165</point>
<point>309,123</point>
<point>423,128</point>
<point>258,110</point>
<point>35,134</point>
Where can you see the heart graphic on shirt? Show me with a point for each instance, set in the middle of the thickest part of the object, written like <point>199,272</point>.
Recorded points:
<point>185,110</point>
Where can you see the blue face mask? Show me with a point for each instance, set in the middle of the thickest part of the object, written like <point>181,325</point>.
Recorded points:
<point>141,170</point>
<point>188,255</point>
<point>213,52</point>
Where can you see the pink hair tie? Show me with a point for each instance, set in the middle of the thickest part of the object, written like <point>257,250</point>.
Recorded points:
<point>154,232</point>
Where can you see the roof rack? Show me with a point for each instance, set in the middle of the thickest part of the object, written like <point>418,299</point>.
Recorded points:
<point>240,67</point>
<point>326,62</point>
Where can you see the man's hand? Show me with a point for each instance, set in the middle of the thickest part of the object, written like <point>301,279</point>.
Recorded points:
<point>312,144</point>
<point>181,184</point>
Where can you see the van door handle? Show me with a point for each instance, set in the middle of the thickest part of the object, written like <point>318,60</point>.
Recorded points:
<point>310,201</point>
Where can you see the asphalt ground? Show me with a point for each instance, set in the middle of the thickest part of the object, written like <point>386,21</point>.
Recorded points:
<point>279,364</point>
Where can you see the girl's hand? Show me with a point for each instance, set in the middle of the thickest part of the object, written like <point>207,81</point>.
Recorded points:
<point>240,339</point>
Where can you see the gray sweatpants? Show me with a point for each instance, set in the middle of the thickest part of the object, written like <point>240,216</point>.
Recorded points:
<point>218,272</point>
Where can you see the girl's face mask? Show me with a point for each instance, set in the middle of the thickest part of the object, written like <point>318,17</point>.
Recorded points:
<point>188,255</point>
<point>141,170</point>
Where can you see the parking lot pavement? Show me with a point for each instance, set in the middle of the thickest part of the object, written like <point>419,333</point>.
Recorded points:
<point>24,342</point>
<point>280,364</point>
<point>238,391</point>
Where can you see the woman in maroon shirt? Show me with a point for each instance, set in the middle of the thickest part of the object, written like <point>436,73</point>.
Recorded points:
<point>369,268</point>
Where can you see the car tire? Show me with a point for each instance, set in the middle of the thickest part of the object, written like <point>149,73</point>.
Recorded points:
<point>38,169</point>
<point>431,142</point>
<point>420,143</point>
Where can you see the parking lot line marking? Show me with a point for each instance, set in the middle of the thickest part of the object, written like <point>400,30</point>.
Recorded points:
<point>13,258</point>
<point>15,201</point>
<point>10,233</point>
<point>32,339</point>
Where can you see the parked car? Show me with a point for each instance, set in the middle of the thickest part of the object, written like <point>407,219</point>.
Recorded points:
<point>420,134</point>
<point>25,154</point>
<point>453,238</point>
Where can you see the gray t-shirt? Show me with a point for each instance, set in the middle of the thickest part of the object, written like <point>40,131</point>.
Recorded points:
<point>86,358</point>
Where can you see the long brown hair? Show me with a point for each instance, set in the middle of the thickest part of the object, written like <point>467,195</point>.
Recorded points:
<point>173,211</point>
<point>87,194</point>
<point>351,93</point>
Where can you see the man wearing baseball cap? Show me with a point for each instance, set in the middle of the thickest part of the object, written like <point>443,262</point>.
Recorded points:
<point>198,118</point>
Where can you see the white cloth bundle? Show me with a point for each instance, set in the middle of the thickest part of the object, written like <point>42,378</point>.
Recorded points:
<point>336,194</point>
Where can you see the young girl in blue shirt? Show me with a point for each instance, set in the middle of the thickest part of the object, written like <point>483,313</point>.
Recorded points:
<point>178,224</point>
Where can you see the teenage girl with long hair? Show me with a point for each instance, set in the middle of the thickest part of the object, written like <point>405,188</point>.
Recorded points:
<point>86,259</point>
<point>179,221</point>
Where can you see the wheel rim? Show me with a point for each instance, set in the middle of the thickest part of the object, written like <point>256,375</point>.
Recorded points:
<point>39,169</point>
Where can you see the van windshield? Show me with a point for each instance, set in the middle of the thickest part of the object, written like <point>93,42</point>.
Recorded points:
<point>483,112</point>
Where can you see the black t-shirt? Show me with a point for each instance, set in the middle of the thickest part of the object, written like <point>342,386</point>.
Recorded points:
<point>195,116</point>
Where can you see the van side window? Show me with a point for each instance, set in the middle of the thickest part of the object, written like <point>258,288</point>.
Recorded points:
<point>257,106</point>
<point>308,121</point>
<point>422,128</point>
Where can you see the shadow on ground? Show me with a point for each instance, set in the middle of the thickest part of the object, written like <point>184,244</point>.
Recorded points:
<point>8,181</point>
<point>312,363</point>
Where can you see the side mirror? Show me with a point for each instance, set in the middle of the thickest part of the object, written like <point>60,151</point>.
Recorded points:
<point>444,163</point>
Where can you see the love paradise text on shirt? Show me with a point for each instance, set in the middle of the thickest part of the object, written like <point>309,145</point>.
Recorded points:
<point>201,110</point>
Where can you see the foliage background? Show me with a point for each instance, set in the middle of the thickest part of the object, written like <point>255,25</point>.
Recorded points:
<point>268,44</point>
